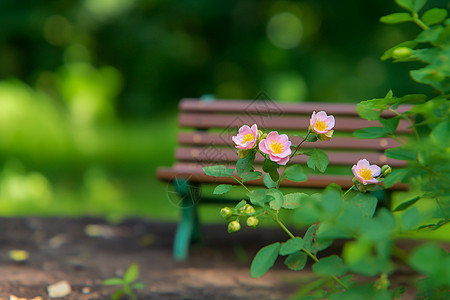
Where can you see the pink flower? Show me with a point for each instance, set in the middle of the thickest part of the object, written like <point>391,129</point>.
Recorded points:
<point>366,172</point>
<point>321,123</point>
<point>247,137</point>
<point>277,146</point>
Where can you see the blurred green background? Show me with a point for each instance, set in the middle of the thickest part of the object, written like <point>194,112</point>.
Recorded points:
<point>89,88</point>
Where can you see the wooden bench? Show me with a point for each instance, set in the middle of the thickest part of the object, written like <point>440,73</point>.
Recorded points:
<point>205,139</point>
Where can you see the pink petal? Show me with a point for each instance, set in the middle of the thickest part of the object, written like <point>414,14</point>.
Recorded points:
<point>376,170</point>
<point>284,161</point>
<point>263,147</point>
<point>329,122</point>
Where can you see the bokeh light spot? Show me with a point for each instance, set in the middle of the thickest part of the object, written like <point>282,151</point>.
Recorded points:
<point>285,30</point>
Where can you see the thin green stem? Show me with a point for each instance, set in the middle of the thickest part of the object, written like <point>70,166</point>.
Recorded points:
<point>312,256</point>
<point>298,146</point>
<point>348,191</point>
<point>408,120</point>
<point>240,182</point>
<point>419,22</point>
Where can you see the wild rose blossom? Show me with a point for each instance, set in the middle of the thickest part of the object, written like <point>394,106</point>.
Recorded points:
<point>321,123</point>
<point>277,146</point>
<point>365,172</point>
<point>247,137</point>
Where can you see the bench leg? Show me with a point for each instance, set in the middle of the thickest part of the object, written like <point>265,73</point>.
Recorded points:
<point>188,228</point>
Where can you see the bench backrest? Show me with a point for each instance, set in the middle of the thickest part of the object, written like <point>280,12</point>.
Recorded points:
<point>207,128</point>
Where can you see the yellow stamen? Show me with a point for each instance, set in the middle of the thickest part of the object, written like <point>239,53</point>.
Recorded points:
<point>248,137</point>
<point>365,173</point>
<point>320,125</point>
<point>276,147</point>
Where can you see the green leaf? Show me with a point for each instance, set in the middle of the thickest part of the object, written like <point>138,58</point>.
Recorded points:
<point>277,197</point>
<point>241,204</point>
<point>296,261</point>
<point>434,16</point>
<point>138,286</point>
<point>331,202</point>
<point>258,197</point>
<point>291,246</point>
<point>370,133</point>
<point>131,274</point>
<point>309,237</point>
<point>365,202</point>
<point>222,189</point>
<point>396,176</point>
<point>411,5</point>
<point>271,168</point>
<point>331,265</point>
<point>118,294</point>
<point>113,281</point>
<point>293,200</point>
<point>317,160</point>
<point>252,176</point>
<point>401,153</point>
<point>366,110</point>
<point>295,173</point>
<point>406,4</point>
<point>312,138</point>
<point>427,259</point>
<point>406,204</point>
<point>268,182</point>
<point>245,165</point>
<point>309,210</point>
<point>218,171</point>
<point>264,260</point>
<point>411,218</point>
<point>431,35</point>
<point>396,18</point>
<point>380,228</point>
<point>390,124</point>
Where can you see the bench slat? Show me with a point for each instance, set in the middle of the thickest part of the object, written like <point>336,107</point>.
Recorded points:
<point>348,143</point>
<point>196,174</point>
<point>300,123</point>
<point>229,155</point>
<point>274,108</point>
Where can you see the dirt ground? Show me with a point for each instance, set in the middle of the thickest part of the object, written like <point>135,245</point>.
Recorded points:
<point>87,251</point>
<point>85,255</point>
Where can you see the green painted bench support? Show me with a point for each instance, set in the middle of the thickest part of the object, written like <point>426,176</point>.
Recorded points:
<point>188,228</point>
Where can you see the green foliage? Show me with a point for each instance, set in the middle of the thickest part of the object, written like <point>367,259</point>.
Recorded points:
<point>317,160</point>
<point>218,171</point>
<point>264,260</point>
<point>245,165</point>
<point>222,189</point>
<point>127,283</point>
<point>370,230</point>
<point>291,246</point>
<point>331,265</point>
<point>295,173</point>
<point>296,261</point>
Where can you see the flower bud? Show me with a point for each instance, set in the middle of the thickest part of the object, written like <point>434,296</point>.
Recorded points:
<point>402,52</point>
<point>263,136</point>
<point>234,226</point>
<point>243,153</point>
<point>385,170</point>
<point>382,283</point>
<point>325,136</point>
<point>226,212</point>
<point>252,222</point>
<point>355,180</point>
<point>248,209</point>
